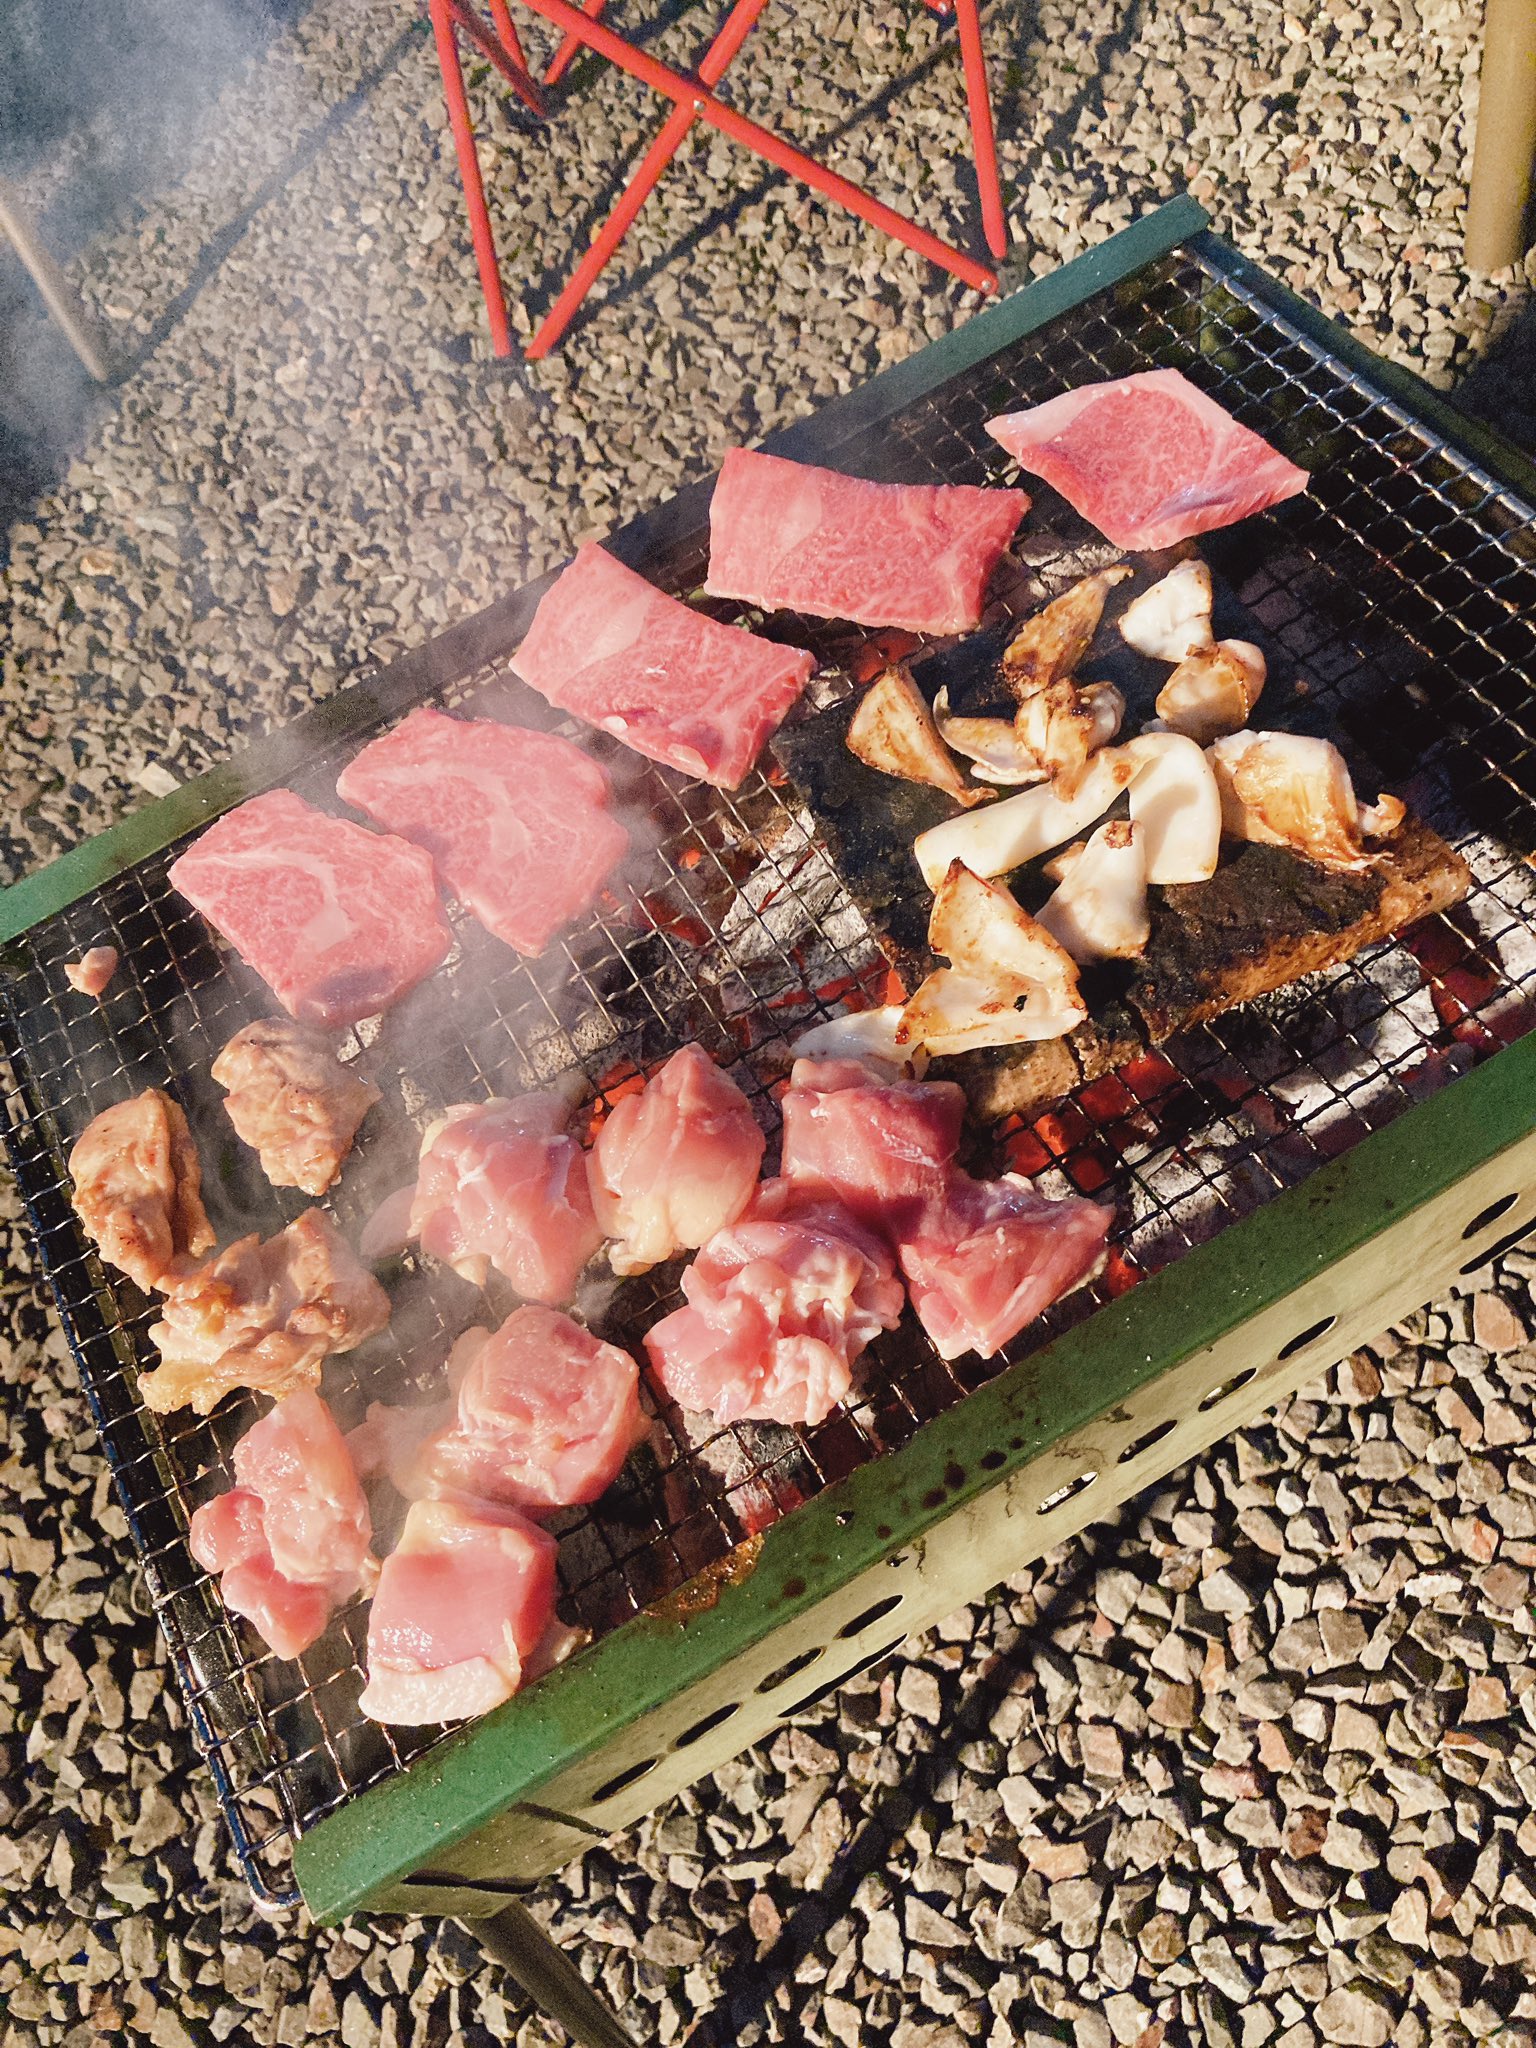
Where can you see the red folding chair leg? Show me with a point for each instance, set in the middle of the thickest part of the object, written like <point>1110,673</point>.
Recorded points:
<point>984,141</point>
<point>469,173</point>
<point>570,46</point>
<point>733,33</point>
<point>762,141</point>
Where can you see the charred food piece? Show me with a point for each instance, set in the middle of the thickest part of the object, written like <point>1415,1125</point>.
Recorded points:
<point>1050,646</point>
<point>894,730</point>
<point>263,1315</point>
<point>138,1189</point>
<point>292,1101</point>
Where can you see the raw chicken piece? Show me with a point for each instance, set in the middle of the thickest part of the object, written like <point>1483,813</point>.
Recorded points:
<point>138,1189</point>
<point>675,1163</point>
<point>462,1603</point>
<point>502,1184</point>
<point>883,1146</point>
<point>263,1315</point>
<point>338,922</point>
<point>90,974</point>
<point>292,1101</point>
<point>1148,459</point>
<point>787,536</point>
<point>992,1255</point>
<point>780,1304</point>
<point>667,680</point>
<point>291,1539</point>
<point>516,821</point>
<point>546,1416</point>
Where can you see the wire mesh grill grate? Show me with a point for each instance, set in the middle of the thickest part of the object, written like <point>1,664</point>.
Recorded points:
<point>1401,587</point>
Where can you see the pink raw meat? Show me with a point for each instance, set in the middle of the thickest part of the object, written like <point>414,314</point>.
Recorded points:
<point>338,921</point>
<point>516,821</point>
<point>676,686</point>
<point>462,1603</point>
<point>547,1414</point>
<point>992,1255</point>
<point>780,1304</point>
<point>291,1539</point>
<point>1149,460</point>
<point>674,1163</point>
<point>788,537</point>
<point>883,1146</point>
<point>502,1184</point>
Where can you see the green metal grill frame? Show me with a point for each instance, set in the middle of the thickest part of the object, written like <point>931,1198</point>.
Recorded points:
<point>1019,1465</point>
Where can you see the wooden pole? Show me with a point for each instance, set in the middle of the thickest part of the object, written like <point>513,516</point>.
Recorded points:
<point>49,279</point>
<point>1500,188</point>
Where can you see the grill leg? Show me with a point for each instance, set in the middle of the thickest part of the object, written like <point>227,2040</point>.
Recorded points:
<point>515,1939</point>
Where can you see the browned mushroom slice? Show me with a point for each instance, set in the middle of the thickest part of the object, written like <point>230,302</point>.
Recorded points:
<point>1052,643</point>
<point>893,730</point>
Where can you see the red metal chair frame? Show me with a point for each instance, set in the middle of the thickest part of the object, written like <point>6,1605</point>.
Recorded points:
<point>694,99</point>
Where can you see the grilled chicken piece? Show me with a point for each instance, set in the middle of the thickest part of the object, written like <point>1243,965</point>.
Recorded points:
<point>263,1315</point>
<point>1051,644</point>
<point>893,730</point>
<point>91,973</point>
<point>138,1189</point>
<point>292,1101</point>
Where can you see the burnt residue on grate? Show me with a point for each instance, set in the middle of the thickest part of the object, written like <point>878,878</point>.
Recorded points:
<point>1393,601</point>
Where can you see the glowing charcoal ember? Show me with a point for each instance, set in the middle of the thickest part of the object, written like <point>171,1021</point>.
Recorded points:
<point>517,822</point>
<point>138,1189</point>
<point>789,537</point>
<point>780,1304</point>
<point>292,1101</point>
<point>991,1256</point>
<point>881,1145</point>
<point>1149,459</point>
<point>338,921</point>
<point>291,1540</point>
<point>462,1604</point>
<point>263,1315</point>
<point>503,1184</point>
<point>673,684</point>
<point>89,975</point>
<point>675,1163</point>
<point>545,1417</point>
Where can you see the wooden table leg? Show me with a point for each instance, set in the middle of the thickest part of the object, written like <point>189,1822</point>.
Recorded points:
<point>1500,188</point>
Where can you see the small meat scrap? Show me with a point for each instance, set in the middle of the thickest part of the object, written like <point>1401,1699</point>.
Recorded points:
<point>90,974</point>
<point>779,1306</point>
<point>674,684</point>
<point>790,537</point>
<point>138,1189</point>
<point>339,922</point>
<point>516,821</point>
<point>1149,459</point>
<point>263,1315</point>
<point>675,1163</point>
<point>503,1184</point>
<point>463,1604</point>
<point>546,1415</point>
<point>291,1539</point>
<point>879,1144</point>
<point>990,1256</point>
<point>292,1101</point>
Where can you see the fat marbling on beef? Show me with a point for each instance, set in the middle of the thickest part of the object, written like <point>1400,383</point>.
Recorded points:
<point>338,921</point>
<point>674,1163</point>
<point>291,1539</point>
<point>673,684</point>
<point>517,822</point>
<point>789,537</point>
<point>1149,459</point>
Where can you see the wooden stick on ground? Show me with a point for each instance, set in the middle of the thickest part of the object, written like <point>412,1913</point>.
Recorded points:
<point>49,279</point>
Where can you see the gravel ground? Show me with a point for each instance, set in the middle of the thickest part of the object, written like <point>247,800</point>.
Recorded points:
<point>1257,1762</point>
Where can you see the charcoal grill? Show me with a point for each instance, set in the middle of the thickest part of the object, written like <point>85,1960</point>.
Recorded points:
<point>1290,1178</point>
